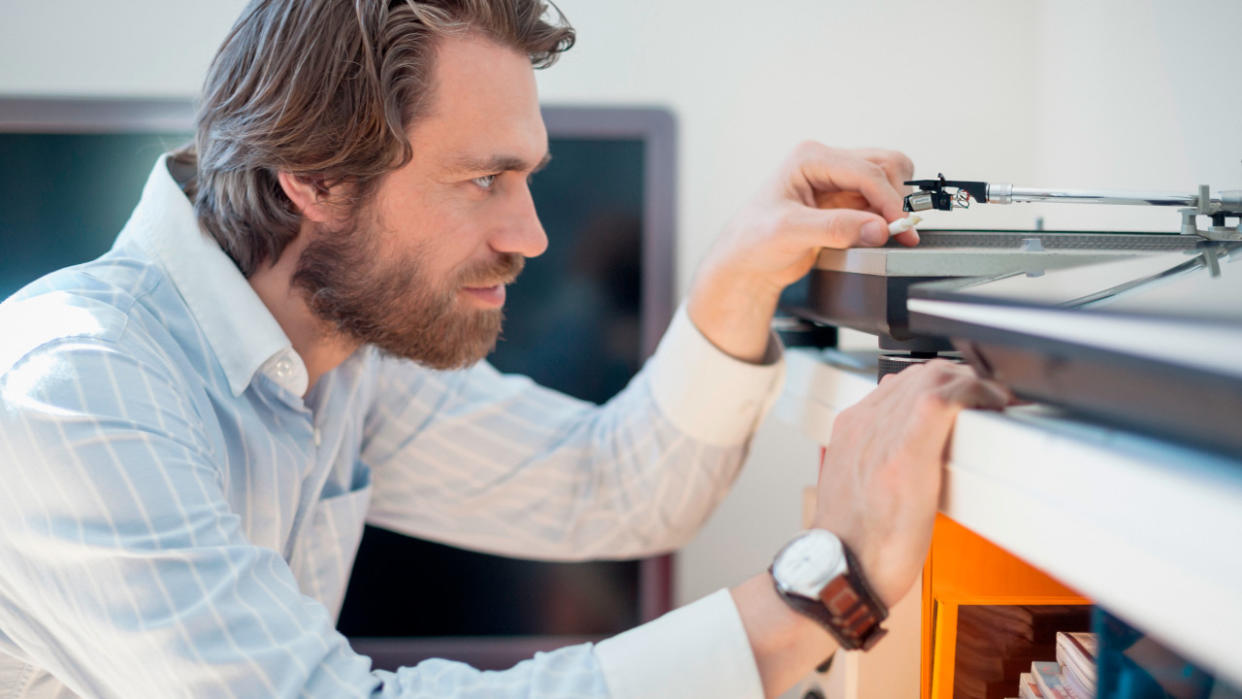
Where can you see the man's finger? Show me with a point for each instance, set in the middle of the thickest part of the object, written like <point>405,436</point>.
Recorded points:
<point>827,170</point>
<point>842,200</point>
<point>937,391</point>
<point>976,393</point>
<point>909,238</point>
<point>960,382</point>
<point>896,165</point>
<point>898,168</point>
<point>837,228</point>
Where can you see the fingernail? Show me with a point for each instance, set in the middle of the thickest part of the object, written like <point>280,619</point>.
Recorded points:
<point>873,233</point>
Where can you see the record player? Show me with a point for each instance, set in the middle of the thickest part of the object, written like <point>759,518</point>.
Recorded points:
<point>1152,343</point>
<point>867,288</point>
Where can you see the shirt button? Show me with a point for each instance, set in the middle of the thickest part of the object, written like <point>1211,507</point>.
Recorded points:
<point>317,436</point>
<point>283,368</point>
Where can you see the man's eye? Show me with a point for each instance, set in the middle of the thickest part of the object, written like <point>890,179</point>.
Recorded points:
<point>485,182</point>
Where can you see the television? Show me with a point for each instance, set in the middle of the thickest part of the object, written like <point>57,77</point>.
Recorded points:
<point>582,319</point>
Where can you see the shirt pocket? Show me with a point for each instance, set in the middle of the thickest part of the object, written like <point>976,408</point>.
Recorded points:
<point>326,549</point>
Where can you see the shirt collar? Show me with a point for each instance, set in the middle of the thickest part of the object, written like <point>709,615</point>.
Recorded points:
<point>242,332</point>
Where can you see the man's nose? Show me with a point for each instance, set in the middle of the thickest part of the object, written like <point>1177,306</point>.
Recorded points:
<point>521,232</point>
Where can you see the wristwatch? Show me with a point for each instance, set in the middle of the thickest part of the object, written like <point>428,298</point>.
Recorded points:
<point>818,576</point>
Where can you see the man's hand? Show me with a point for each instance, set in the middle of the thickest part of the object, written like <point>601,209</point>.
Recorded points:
<point>821,197</point>
<point>878,490</point>
<point>879,485</point>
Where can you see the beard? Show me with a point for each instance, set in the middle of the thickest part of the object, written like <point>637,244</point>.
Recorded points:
<point>392,304</point>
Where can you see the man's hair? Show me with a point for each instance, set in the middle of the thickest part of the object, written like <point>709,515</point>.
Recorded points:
<point>325,89</point>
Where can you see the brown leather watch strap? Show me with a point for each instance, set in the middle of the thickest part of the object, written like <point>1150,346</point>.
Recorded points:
<point>847,607</point>
<point>853,607</point>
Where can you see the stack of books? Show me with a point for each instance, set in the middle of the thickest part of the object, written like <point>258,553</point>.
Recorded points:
<point>1070,676</point>
<point>997,643</point>
<point>1076,657</point>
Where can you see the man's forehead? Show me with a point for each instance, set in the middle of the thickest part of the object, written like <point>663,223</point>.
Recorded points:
<point>484,109</point>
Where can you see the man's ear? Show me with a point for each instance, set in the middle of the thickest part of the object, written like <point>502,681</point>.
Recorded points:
<point>309,194</point>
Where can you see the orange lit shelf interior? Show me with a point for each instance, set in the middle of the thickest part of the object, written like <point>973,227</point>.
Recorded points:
<point>964,568</point>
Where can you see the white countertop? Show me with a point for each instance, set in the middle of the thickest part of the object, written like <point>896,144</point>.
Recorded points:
<point>1150,530</point>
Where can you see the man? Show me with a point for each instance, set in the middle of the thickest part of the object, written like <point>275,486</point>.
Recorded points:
<point>286,338</point>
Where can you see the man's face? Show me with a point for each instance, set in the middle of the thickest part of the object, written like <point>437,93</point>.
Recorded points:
<point>421,270</point>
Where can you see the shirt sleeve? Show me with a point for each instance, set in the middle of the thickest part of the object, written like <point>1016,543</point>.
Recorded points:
<point>123,571</point>
<point>700,650</point>
<point>496,463</point>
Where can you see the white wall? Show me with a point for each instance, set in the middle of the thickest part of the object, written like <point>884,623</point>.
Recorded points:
<point>125,47</point>
<point>1109,93</point>
<point>749,80</point>
<point>1141,95</point>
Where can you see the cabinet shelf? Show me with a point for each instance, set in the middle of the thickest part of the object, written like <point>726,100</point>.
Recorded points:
<point>1144,528</point>
<point>963,569</point>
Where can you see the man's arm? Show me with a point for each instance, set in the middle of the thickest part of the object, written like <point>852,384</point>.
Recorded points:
<point>498,463</point>
<point>827,198</point>
<point>878,491</point>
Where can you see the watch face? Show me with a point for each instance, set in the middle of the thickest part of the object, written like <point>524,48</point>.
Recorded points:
<point>807,563</point>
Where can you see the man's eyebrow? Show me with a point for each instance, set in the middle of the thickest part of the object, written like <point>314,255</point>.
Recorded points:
<point>498,163</point>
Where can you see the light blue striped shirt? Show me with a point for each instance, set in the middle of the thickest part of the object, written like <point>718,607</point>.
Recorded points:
<point>179,515</point>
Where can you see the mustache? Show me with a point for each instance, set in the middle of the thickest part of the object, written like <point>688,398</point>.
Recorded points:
<point>503,269</point>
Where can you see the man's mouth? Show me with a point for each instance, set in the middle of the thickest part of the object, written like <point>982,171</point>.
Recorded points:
<point>485,285</point>
<point>491,296</point>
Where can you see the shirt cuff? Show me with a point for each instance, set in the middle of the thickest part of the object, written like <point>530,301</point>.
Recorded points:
<point>708,394</point>
<point>700,650</point>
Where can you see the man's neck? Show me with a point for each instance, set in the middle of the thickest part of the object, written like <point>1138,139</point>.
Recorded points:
<point>321,349</point>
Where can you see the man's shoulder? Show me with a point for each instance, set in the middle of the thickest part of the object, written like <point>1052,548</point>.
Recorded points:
<point>92,303</point>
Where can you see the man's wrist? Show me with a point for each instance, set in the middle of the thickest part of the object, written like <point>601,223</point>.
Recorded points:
<point>871,561</point>
<point>707,394</point>
<point>786,645</point>
<point>734,314</point>
<point>817,575</point>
